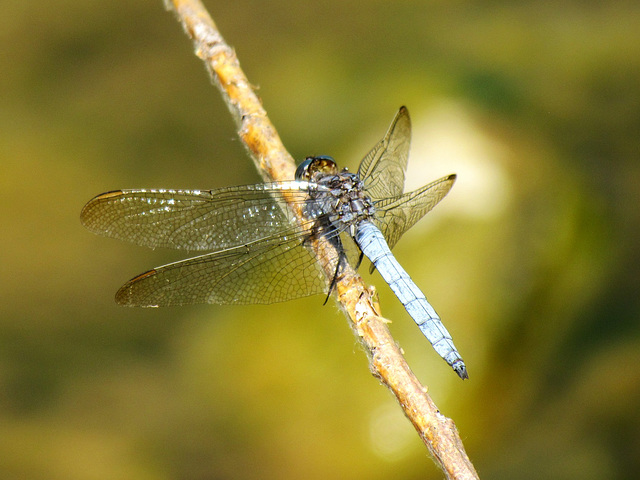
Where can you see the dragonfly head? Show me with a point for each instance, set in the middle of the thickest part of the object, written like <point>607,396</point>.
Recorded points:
<point>322,164</point>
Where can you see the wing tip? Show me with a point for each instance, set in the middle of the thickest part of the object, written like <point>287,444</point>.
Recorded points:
<point>86,212</point>
<point>124,295</point>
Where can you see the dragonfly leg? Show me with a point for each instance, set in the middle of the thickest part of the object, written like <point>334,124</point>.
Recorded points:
<point>341,257</point>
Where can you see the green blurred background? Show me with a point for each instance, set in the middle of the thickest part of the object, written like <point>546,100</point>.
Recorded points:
<point>532,260</point>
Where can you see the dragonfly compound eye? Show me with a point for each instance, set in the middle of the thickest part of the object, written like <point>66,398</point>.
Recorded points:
<point>302,172</point>
<point>323,164</point>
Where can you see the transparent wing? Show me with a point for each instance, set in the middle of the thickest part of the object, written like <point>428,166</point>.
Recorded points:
<point>258,247</point>
<point>394,216</point>
<point>272,270</point>
<point>383,168</point>
<point>194,219</point>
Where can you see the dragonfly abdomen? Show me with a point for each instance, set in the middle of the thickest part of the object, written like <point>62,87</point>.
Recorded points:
<point>373,245</point>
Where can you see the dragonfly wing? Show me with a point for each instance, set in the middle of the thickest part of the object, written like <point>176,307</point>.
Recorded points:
<point>194,219</point>
<point>273,270</point>
<point>383,168</point>
<point>394,216</point>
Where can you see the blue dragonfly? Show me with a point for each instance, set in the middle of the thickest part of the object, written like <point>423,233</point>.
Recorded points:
<point>257,249</point>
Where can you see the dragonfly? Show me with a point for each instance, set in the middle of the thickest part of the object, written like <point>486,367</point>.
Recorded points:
<point>257,249</point>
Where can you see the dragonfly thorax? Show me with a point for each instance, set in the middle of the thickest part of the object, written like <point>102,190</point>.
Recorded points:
<point>339,196</point>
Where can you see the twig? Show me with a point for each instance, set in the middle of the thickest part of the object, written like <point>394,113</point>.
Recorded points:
<point>274,162</point>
